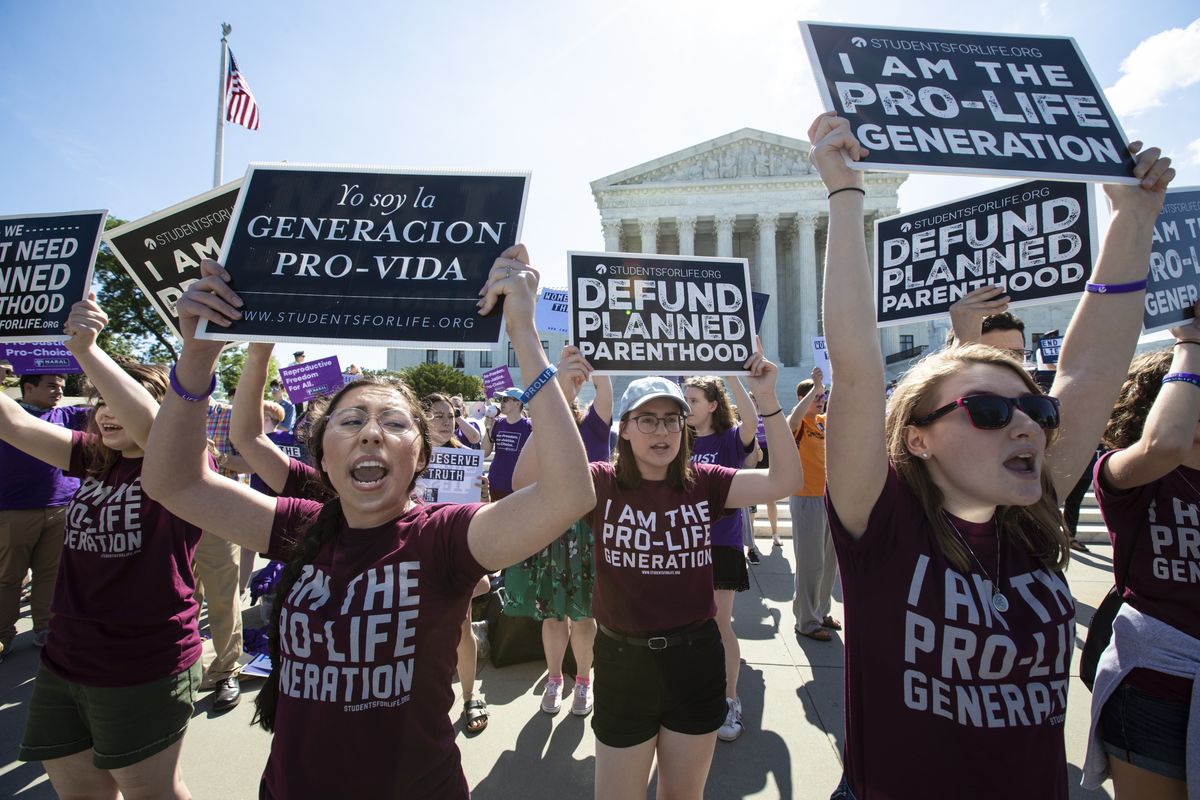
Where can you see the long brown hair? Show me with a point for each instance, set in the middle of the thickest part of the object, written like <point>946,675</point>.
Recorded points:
<point>1038,528</point>
<point>98,457</point>
<point>326,525</point>
<point>1138,394</point>
<point>427,406</point>
<point>680,475</point>
<point>714,392</point>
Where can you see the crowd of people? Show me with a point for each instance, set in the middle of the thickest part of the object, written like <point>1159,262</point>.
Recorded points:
<point>622,529</point>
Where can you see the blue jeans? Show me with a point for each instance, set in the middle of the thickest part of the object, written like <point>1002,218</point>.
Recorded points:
<point>1146,731</point>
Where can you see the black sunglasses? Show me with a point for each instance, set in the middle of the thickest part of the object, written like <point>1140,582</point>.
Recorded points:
<point>992,412</point>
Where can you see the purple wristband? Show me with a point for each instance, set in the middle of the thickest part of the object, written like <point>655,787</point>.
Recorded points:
<point>1186,377</point>
<point>191,398</point>
<point>1116,288</point>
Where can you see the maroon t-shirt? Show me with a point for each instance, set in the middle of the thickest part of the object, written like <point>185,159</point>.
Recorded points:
<point>653,550</point>
<point>369,638</point>
<point>1155,532</point>
<point>946,697</point>
<point>124,605</point>
<point>304,481</point>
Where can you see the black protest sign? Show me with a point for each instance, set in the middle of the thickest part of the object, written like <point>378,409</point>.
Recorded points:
<point>46,265</point>
<point>368,256</point>
<point>1174,279</point>
<point>1034,240</point>
<point>956,102</point>
<point>162,251</point>
<point>636,314</point>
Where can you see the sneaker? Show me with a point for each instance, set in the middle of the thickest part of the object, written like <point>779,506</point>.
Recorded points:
<point>39,637</point>
<point>753,556</point>
<point>552,697</point>
<point>581,705</point>
<point>732,728</point>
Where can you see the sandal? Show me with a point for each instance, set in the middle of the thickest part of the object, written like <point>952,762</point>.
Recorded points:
<point>475,716</point>
<point>831,623</point>
<point>820,635</point>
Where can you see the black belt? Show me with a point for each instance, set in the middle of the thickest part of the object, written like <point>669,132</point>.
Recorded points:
<point>684,635</point>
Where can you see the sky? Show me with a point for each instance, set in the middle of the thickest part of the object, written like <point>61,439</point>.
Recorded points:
<point>114,104</point>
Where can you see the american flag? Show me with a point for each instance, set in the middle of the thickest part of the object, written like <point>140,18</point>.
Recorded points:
<point>239,100</point>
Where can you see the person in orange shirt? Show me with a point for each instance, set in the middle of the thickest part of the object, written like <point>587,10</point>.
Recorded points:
<point>816,563</point>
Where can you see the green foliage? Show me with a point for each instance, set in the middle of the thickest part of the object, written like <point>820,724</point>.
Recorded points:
<point>429,378</point>
<point>233,361</point>
<point>134,328</point>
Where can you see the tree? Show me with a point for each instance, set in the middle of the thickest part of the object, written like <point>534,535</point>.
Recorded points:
<point>134,327</point>
<point>429,378</point>
<point>233,361</point>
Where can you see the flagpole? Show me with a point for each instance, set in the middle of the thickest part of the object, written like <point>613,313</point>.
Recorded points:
<point>226,29</point>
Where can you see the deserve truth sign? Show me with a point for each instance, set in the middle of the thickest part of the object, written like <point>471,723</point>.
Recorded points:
<point>162,251</point>
<point>368,256</point>
<point>637,314</point>
<point>46,265</point>
<point>1174,279</point>
<point>957,102</point>
<point>1032,239</point>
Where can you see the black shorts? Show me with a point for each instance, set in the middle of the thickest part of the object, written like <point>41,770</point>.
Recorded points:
<point>639,690</point>
<point>1146,731</point>
<point>729,568</point>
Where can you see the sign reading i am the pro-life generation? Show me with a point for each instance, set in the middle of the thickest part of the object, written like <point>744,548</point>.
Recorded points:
<point>46,263</point>
<point>453,476</point>
<point>162,251</point>
<point>309,380</point>
<point>675,315</point>
<point>1174,279</point>
<point>39,358</point>
<point>368,256</point>
<point>959,102</point>
<point>1034,240</point>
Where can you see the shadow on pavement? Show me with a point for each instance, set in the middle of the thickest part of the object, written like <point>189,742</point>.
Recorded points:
<point>542,759</point>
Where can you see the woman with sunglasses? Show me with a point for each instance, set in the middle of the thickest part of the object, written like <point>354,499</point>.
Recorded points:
<point>959,624</point>
<point>1144,697</point>
<point>367,615</point>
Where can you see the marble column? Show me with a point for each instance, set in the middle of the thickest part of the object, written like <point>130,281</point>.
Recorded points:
<point>686,226</point>
<point>612,235</point>
<point>724,225</point>
<point>806,272</point>
<point>649,226</point>
<point>768,283</point>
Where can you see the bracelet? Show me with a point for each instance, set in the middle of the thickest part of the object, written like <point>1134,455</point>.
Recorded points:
<point>1186,377</point>
<point>1186,341</point>
<point>1116,288</point>
<point>858,189</point>
<point>773,413</point>
<point>191,398</point>
<point>538,382</point>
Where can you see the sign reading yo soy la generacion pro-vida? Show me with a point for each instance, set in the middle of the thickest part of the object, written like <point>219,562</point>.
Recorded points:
<point>46,265</point>
<point>1032,239</point>
<point>662,315</point>
<point>1174,279</point>
<point>162,251</point>
<point>958,102</point>
<point>368,256</point>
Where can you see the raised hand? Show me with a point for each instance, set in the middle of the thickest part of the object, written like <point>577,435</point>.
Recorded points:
<point>573,371</point>
<point>763,373</point>
<point>512,278</point>
<point>84,324</point>
<point>832,144</point>
<point>966,314</point>
<point>1155,173</point>
<point>209,298</point>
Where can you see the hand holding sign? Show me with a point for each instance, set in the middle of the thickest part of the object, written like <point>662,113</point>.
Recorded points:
<point>834,144</point>
<point>209,298</point>
<point>762,373</point>
<point>1154,171</point>
<point>967,314</point>
<point>573,371</point>
<point>84,324</point>
<point>1191,331</point>
<point>513,279</point>
<point>818,378</point>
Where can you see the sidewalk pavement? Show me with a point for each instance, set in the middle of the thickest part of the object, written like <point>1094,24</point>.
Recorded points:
<point>791,697</point>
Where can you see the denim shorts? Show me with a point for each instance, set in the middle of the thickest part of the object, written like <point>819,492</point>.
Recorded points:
<point>1146,731</point>
<point>842,792</point>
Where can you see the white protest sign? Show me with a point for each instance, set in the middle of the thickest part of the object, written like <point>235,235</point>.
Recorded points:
<point>453,476</point>
<point>821,358</point>
<point>552,311</point>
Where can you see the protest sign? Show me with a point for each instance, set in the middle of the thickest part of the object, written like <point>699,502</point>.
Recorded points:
<point>760,307</point>
<point>39,358</point>
<point>368,256</point>
<point>958,102</point>
<point>496,380</point>
<point>821,358</point>
<point>552,311</point>
<point>1032,239</point>
<point>452,476</point>
<point>46,265</point>
<point>634,314</point>
<point>311,379</point>
<point>1174,262</point>
<point>1048,347</point>
<point>162,251</point>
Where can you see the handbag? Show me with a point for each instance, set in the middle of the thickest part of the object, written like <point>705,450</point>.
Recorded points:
<point>516,640</point>
<point>1099,635</point>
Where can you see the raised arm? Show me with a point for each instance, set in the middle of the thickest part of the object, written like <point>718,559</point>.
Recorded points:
<point>968,312</point>
<point>469,431</point>
<point>262,456</point>
<point>603,401</point>
<point>36,437</point>
<point>805,403</point>
<point>507,531</point>
<point>573,372</point>
<point>1103,331</point>
<point>784,475</point>
<point>855,451</point>
<point>176,472</point>
<point>746,410</point>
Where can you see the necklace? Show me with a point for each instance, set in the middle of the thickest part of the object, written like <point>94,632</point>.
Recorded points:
<point>999,601</point>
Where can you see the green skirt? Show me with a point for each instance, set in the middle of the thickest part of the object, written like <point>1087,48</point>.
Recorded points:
<point>555,583</point>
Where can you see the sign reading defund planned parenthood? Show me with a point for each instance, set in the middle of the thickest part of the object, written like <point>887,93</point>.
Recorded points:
<point>943,101</point>
<point>162,252</point>
<point>1174,283</point>
<point>661,315</point>
<point>1032,239</point>
<point>46,265</point>
<point>368,256</point>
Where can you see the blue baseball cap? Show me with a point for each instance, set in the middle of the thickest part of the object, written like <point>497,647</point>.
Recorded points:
<point>643,390</point>
<point>513,392</point>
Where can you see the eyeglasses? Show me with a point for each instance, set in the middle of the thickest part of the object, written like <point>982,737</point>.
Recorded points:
<point>992,412</point>
<point>393,421</point>
<point>648,423</point>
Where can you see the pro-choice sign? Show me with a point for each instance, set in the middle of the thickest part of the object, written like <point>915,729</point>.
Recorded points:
<point>368,256</point>
<point>947,101</point>
<point>661,315</point>
<point>1032,239</point>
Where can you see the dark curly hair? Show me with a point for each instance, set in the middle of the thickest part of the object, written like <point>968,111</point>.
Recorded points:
<point>1138,394</point>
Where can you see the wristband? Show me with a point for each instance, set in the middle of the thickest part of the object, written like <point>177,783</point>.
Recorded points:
<point>1186,377</point>
<point>457,414</point>
<point>1186,341</point>
<point>1116,288</point>
<point>860,190</point>
<point>191,398</point>
<point>538,382</point>
<point>773,413</point>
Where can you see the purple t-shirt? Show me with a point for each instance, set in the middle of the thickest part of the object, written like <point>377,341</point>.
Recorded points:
<point>594,433</point>
<point>369,638</point>
<point>945,696</point>
<point>27,482</point>
<point>508,440</point>
<point>462,438</point>
<point>124,610</point>
<point>725,450</point>
<point>653,550</point>
<point>1156,559</point>
<point>294,449</point>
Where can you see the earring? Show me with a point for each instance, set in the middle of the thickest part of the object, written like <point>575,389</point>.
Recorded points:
<point>925,456</point>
